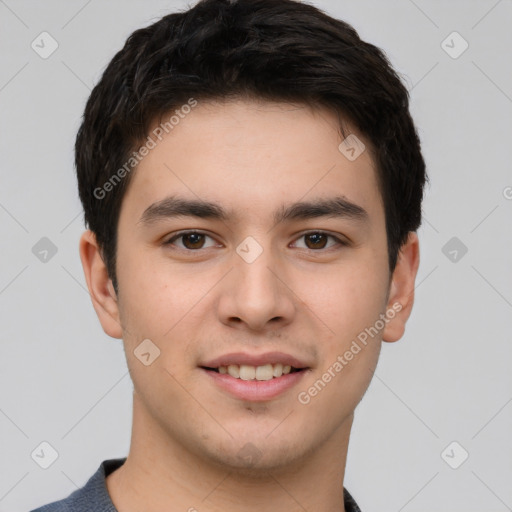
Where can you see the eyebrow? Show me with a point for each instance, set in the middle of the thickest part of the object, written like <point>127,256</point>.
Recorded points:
<point>339,207</point>
<point>173,206</point>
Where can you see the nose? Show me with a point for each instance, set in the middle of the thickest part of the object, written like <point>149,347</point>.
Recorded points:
<point>255,295</point>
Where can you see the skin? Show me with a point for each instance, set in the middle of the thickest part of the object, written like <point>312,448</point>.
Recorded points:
<point>251,157</point>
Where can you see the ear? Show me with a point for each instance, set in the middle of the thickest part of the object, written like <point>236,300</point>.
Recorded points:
<point>401,293</point>
<point>101,290</point>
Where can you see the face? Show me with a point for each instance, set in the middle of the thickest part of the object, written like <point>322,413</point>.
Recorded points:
<point>253,283</point>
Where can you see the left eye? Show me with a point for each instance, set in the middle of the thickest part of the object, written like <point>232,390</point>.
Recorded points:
<point>318,240</point>
<point>190,240</point>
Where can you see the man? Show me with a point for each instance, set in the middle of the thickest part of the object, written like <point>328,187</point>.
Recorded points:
<point>252,184</point>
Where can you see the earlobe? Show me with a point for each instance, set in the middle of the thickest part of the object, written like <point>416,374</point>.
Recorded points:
<point>103,295</point>
<point>401,295</point>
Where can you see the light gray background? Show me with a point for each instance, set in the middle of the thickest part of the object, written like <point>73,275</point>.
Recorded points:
<point>62,380</point>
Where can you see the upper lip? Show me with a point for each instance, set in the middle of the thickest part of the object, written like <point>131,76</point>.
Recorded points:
<point>240,358</point>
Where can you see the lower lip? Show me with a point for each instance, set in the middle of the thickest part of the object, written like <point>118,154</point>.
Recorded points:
<point>255,390</point>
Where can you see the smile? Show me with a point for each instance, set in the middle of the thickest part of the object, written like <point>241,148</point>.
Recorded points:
<point>260,373</point>
<point>254,390</point>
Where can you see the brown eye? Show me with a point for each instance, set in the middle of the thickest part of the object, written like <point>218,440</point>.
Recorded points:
<point>316,240</point>
<point>193,240</point>
<point>190,240</point>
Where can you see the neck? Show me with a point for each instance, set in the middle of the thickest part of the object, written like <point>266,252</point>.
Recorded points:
<point>160,473</point>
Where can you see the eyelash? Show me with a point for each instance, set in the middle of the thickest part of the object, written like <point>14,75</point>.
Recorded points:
<point>181,234</point>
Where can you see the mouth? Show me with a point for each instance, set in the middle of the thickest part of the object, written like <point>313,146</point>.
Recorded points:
<point>259,373</point>
<point>255,378</point>
<point>252,384</point>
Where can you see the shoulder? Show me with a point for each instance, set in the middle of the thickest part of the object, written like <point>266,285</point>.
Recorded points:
<point>92,497</point>
<point>350,502</point>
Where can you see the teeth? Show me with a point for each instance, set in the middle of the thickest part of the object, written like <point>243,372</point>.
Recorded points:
<point>265,372</point>
<point>278,370</point>
<point>234,371</point>
<point>247,372</point>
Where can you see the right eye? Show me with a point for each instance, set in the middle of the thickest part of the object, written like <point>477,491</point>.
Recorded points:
<point>190,240</point>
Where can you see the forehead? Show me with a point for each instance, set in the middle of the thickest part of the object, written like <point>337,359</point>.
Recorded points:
<point>253,156</point>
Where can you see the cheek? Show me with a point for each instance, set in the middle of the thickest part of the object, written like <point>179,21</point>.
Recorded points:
<point>157,307</point>
<point>344,299</point>
<point>350,309</point>
<point>167,306</point>
<point>154,296</point>
<point>333,394</point>
<point>349,302</point>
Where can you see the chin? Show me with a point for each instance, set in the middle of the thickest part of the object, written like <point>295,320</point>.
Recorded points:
<point>256,456</point>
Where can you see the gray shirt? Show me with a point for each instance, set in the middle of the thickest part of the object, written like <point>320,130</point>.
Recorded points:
<point>94,497</point>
